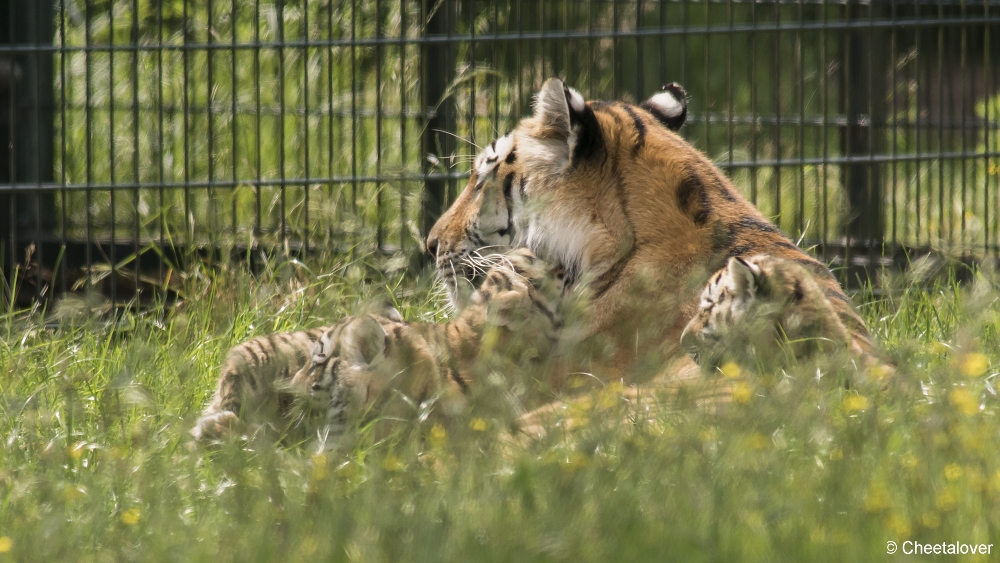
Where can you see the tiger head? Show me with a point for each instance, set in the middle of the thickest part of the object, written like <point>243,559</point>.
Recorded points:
<point>762,307</point>
<point>341,364</point>
<point>543,185</point>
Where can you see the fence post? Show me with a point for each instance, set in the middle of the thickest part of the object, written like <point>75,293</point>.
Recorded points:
<point>865,79</point>
<point>26,126</point>
<point>437,62</point>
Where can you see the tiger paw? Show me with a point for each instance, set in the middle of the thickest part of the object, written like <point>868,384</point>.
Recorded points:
<point>215,426</point>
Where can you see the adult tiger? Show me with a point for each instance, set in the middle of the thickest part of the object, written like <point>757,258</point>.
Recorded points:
<point>637,216</point>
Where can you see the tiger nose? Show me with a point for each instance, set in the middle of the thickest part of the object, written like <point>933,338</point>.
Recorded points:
<point>432,246</point>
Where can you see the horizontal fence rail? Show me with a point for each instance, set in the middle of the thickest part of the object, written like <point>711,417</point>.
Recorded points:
<point>136,132</point>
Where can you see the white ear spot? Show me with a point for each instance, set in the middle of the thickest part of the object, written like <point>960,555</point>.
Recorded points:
<point>667,104</point>
<point>576,101</point>
<point>493,153</point>
<point>504,145</point>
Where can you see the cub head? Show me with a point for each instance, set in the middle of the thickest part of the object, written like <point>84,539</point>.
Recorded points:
<point>723,305</point>
<point>545,185</point>
<point>759,305</point>
<point>341,357</point>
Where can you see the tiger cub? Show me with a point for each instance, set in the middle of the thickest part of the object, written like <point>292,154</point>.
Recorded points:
<point>323,376</point>
<point>767,308</point>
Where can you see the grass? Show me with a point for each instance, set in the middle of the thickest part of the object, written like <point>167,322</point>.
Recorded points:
<point>95,464</point>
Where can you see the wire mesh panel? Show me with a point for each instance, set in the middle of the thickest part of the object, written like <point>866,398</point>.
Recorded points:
<point>134,128</point>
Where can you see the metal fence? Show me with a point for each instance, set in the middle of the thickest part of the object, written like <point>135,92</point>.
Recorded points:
<point>137,130</point>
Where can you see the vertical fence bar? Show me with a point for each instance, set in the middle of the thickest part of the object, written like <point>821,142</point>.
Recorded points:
<point>8,200</point>
<point>865,83</point>
<point>402,123</point>
<point>27,137</point>
<point>281,127</point>
<point>233,126</point>
<point>304,34</point>
<point>64,193</point>
<point>112,247</point>
<point>134,38</point>
<point>209,129</point>
<point>379,210</point>
<point>437,64</point>
<point>258,155</point>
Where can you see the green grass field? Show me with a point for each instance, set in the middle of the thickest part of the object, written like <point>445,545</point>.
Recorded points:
<point>95,463</point>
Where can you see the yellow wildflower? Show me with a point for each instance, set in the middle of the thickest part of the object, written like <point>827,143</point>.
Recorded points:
<point>877,498</point>
<point>742,392</point>
<point>6,544</point>
<point>940,349</point>
<point>438,436</point>
<point>77,450</point>
<point>130,517</point>
<point>320,469</point>
<point>71,493</point>
<point>952,471</point>
<point>392,463</point>
<point>730,370</point>
<point>930,519</point>
<point>946,500</point>
<point>966,403</point>
<point>909,460</point>
<point>879,371</point>
<point>854,403</point>
<point>974,364</point>
<point>477,424</point>
<point>836,454</point>
<point>757,441</point>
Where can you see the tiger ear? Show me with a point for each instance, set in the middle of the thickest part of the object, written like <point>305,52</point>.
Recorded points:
<point>745,276</point>
<point>362,341</point>
<point>564,128</point>
<point>669,106</point>
<point>552,108</point>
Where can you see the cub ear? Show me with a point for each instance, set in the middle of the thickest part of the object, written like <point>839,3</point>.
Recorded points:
<point>745,276</point>
<point>558,107</point>
<point>362,341</point>
<point>669,106</point>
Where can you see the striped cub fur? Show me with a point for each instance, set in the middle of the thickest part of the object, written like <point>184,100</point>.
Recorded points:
<point>325,375</point>
<point>512,315</point>
<point>762,308</point>
<point>256,383</point>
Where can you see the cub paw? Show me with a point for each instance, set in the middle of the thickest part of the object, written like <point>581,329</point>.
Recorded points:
<point>215,426</point>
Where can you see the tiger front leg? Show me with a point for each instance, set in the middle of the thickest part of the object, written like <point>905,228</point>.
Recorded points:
<point>373,368</point>
<point>215,426</point>
<point>254,384</point>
